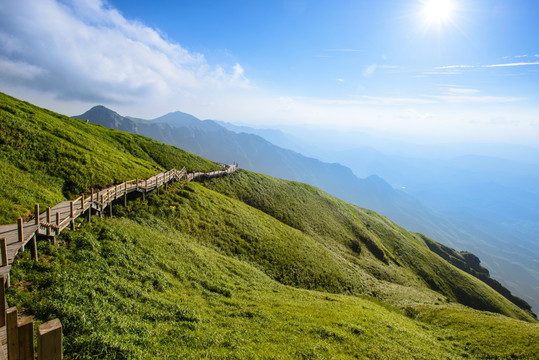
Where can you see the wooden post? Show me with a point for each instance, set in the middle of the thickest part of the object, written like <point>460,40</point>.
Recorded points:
<point>101,206</point>
<point>125,198</point>
<point>20,227</point>
<point>57,231</point>
<point>137,183</point>
<point>2,302</point>
<point>90,213</point>
<point>115,192</point>
<point>48,221</point>
<point>33,249</point>
<point>49,340</point>
<point>3,251</point>
<point>25,329</point>
<point>12,333</point>
<point>110,209</point>
<point>72,211</point>
<point>145,185</point>
<point>82,203</point>
<point>37,213</point>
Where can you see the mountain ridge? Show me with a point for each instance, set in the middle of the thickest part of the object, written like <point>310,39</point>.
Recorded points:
<point>502,233</point>
<point>256,154</point>
<point>246,266</point>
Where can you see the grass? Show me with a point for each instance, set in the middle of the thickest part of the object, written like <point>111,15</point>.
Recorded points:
<point>127,290</point>
<point>368,240</point>
<point>46,157</point>
<point>241,267</point>
<point>502,337</point>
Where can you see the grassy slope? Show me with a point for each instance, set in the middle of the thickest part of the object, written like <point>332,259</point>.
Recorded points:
<point>388,252</point>
<point>136,287</point>
<point>46,157</point>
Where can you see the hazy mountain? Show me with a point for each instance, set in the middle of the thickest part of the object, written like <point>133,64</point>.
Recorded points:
<point>489,192</point>
<point>499,248</point>
<point>209,139</point>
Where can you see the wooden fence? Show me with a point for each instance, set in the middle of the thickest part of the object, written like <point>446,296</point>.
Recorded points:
<point>17,334</point>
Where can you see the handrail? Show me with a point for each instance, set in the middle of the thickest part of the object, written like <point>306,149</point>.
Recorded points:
<point>66,212</point>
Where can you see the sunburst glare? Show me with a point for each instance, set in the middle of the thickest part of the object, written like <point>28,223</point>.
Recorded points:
<point>438,11</point>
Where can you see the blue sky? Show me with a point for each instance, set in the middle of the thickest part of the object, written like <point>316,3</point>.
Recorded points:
<point>352,64</point>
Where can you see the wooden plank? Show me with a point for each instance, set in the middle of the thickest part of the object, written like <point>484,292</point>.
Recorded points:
<point>72,214</point>
<point>100,197</point>
<point>33,248</point>
<point>20,228</point>
<point>57,230</point>
<point>48,221</point>
<point>25,330</point>
<point>2,301</point>
<point>12,333</point>
<point>3,252</point>
<point>49,340</point>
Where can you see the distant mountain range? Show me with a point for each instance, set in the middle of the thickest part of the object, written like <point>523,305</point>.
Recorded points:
<point>209,139</point>
<point>212,140</point>
<point>488,193</point>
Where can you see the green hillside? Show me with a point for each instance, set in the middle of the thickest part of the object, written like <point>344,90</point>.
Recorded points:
<point>148,284</point>
<point>46,157</point>
<point>368,241</point>
<point>241,267</point>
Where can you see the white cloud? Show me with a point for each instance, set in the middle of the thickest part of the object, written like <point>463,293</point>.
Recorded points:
<point>414,114</point>
<point>512,64</point>
<point>19,69</point>
<point>383,100</point>
<point>85,50</point>
<point>501,120</point>
<point>343,50</point>
<point>454,67</point>
<point>478,99</point>
<point>238,76</point>
<point>454,90</point>
<point>451,67</point>
<point>370,70</point>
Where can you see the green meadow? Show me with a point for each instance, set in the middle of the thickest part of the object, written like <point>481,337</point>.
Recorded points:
<point>240,267</point>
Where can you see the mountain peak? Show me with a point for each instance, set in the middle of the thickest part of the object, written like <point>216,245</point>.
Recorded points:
<point>102,115</point>
<point>180,119</point>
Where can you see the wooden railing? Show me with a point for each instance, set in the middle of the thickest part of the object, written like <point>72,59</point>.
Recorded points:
<point>17,334</point>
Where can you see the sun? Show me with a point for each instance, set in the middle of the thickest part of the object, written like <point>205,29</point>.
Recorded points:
<point>438,11</point>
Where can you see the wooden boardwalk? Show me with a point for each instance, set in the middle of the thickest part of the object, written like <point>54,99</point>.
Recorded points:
<point>51,222</point>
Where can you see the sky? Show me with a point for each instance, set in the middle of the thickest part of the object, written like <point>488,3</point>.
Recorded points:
<point>428,70</point>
